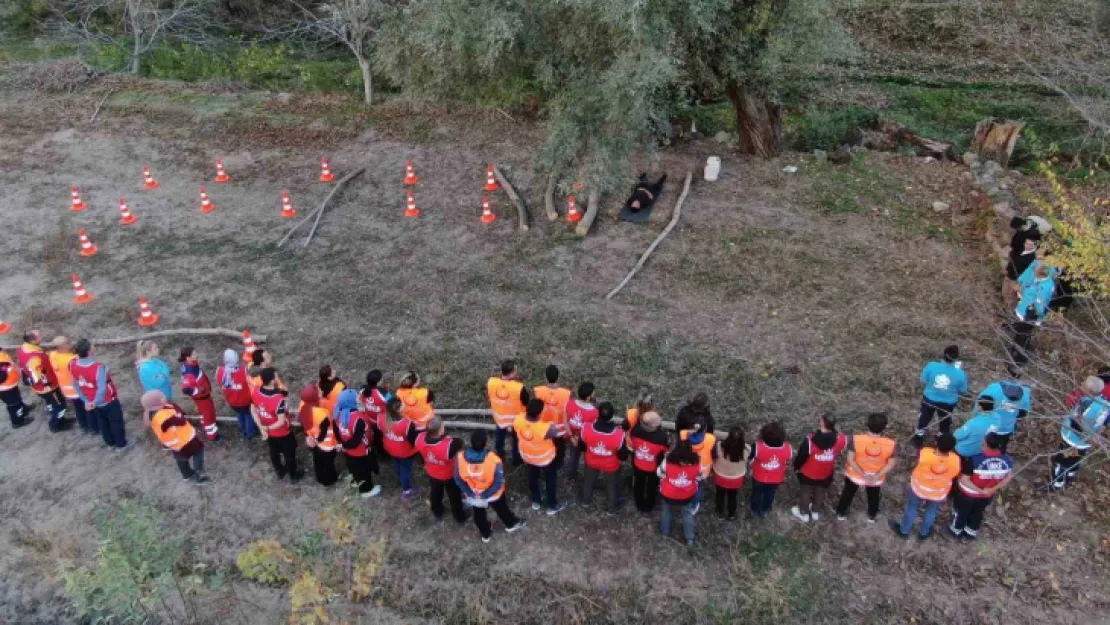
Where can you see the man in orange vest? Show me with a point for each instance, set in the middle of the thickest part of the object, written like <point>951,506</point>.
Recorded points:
<point>537,447</point>
<point>176,434</point>
<point>606,447</point>
<point>507,398</point>
<point>34,366</point>
<point>870,459</point>
<point>60,358</point>
<point>439,451</point>
<point>480,476</point>
<point>555,399</point>
<point>18,411</point>
<point>930,483</point>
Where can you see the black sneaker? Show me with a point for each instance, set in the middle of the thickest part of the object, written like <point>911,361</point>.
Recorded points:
<point>201,480</point>
<point>924,537</point>
<point>953,533</point>
<point>897,529</point>
<point>296,477</point>
<point>918,441</point>
<point>22,422</point>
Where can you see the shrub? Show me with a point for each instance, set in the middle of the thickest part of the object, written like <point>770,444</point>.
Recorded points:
<point>266,562</point>
<point>186,62</point>
<point>263,66</point>
<point>819,128</point>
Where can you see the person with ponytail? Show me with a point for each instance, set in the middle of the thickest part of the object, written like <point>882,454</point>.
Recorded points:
<point>399,438</point>
<point>680,476</point>
<point>417,402</point>
<point>729,468</point>
<point>330,386</point>
<point>353,430</point>
<point>374,398</point>
<point>195,384</point>
<point>154,373</point>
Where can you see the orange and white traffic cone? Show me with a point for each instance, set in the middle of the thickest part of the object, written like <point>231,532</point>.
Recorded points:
<point>206,205</point>
<point>221,175</point>
<point>410,205</point>
<point>287,209</point>
<point>146,317</point>
<point>248,346</point>
<point>325,171</point>
<point>487,214</point>
<point>87,248</point>
<point>410,174</point>
<point>5,327</point>
<point>80,295</point>
<point>125,216</point>
<point>75,203</point>
<point>573,215</point>
<point>149,182</point>
<point>491,183</point>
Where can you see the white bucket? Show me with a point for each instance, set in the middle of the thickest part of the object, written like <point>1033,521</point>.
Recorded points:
<point>712,168</point>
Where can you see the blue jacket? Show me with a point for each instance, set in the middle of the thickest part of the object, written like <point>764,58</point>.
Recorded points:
<point>943,382</point>
<point>154,375</point>
<point>1092,413</point>
<point>478,457</point>
<point>1009,411</point>
<point>969,437</point>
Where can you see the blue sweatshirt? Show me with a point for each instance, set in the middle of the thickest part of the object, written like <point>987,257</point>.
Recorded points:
<point>1009,411</point>
<point>1089,415</point>
<point>969,437</point>
<point>154,375</point>
<point>478,457</point>
<point>943,382</point>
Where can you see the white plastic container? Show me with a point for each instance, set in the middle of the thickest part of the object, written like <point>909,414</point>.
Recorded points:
<point>712,168</point>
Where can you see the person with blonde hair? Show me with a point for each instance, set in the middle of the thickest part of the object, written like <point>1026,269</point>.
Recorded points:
<point>60,358</point>
<point>154,373</point>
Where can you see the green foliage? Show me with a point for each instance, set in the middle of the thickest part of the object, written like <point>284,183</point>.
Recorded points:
<point>820,128</point>
<point>186,62</point>
<point>22,17</point>
<point>138,529</point>
<point>861,186</point>
<point>263,66</point>
<point>107,56</point>
<point>266,562</point>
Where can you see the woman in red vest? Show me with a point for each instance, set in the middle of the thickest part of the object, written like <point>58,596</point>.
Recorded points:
<point>648,444</point>
<point>603,442</point>
<point>195,384</point>
<point>399,438</point>
<point>815,464</point>
<point>233,381</point>
<point>770,457</point>
<point>438,451</point>
<point>679,480</point>
<point>353,429</point>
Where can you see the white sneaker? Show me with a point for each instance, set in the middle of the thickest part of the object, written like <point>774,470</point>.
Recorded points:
<point>843,518</point>
<point>485,539</point>
<point>797,512</point>
<point>519,525</point>
<point>813,516</point>
<point>373,492</point>
<point>536,507</point>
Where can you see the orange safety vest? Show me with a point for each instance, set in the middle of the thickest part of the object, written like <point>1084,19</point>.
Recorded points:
<point>504,401</point>
<point>633,417</point>
<point>932,478</point>
<point>255,382</point>
<point>177,436</point>
<point>415,406</point>
<point>313,430</point>
<point>871,454</point>
<point>479,477</point>
<point>704,451</point>
<point>11,379</point>
<point>535,448</point>
<point>327,402</point>
<point>60,362</point>
<point>554,406</point>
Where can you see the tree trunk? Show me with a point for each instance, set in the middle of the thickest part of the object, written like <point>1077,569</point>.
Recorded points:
<point>136,32</point>
<point>758,121</point>
<point>996,140</point>
<point>367,84</point>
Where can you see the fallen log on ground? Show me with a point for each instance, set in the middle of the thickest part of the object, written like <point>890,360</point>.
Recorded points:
<point>925,146</point>
<point>521,210</point>
<point>319,212</point>
<point>234,334</point>
<point>659,239</point>
<point>549,197</point>
<point>592,206</point>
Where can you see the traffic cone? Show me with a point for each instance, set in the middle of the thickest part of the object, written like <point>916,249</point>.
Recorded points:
<point>287,209</point>
<point>206,206</point>
<point>410,206</point>
<point>149,182</point>
<point>572,210</point>
<point>248,346</point>
<point>491,183</point>
<point>5,327</point>
<point>221,175</point>
<point>75,203</point>
<point>487,214</point>
<point>125,216</point>
<point>87,248</point>
<point>325,171</point>
<point>80,295</point>
<point>410,174</point>
<point>146,318</point>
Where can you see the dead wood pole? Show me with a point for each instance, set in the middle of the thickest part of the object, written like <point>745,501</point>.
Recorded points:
<point>521,210</point>
<point>592,206</point>
<point>549,196</point>
<point>235,334</point>
<point>320,210</point>
<point>659,239</point>
<point>96,111</point>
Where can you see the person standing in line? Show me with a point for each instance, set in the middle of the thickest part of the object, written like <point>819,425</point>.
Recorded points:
<point>605,447</point>
<point>34,366</point>
<point>263,359</point>
<point>930,484</point>
<point>537,448</point>
<point>704,445</point>
<point>354,430</point>
<point>555,399</point>
<point>985,473</point>
<point>176,435</point>
<point>580,413</point>
<point>398,435</point>
<point>18,412</point>
<point>729,468</point>
<point>319,435</point>
<point>196,385</point>
<point>480,476</point>
<point>1080,429</point>
<point>944,382</point>
<point>696,410</point>
<point>771,456</point>
<point>648,444</point>
<point>1038,284</point>
<point>271,414</point>
<point>329,387</point>
<point>417,402</point>
<point>507,399</point>
<point>816,464</point>
<point>679,477</point>
<point>60,357</point>
<point>644,405</point>
<point>237,391</point>
<point>1012,401</point>
<point>969,436</point>
<point>373,398</point>
<point>154,373</point>
<point>870,459</point>
<point>439,451</point>
<point>97,388</point>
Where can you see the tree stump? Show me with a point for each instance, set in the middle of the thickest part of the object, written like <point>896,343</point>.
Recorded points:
<point>996,140</point>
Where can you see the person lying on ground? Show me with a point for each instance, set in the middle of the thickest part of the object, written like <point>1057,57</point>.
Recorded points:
<point>644,193</point>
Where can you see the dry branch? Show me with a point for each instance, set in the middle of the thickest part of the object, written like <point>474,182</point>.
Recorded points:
<point>96,111</point>
<point>549,197</point>
<point>592,206</point>
<point>651,248</point>
<point>235,334</point>
<point>521,211</point>
<point>320,210</point>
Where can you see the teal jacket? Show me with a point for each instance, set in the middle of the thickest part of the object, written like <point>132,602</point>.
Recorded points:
<point>154,375</point>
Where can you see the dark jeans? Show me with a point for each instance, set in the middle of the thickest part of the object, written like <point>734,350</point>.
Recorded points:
<point>110,417</point>
<point>362,469</point>
<point>727,496</point>
<point>612,487</point>
<point>188,472</point>
<point>323,465</point>
<point>454,497</point>
<point>246,421</point>
<point>943,413</point>
<point>969,513</point>
<point>501,507</point>
<point>1065,465</point>
<point>86,421</point>
<point>645,488</point>
<point>404,471</point>
<point>550,475</point>
<point>499,445</point>
<point>811,496</point>
<point>56,402</point>
<point>1022,346</point>
<point>874,493</point>
<point>283,455</point>
<point>13,400</point>
<point>763,497</point>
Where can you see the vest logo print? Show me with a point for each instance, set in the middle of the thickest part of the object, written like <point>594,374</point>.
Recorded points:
<point>682,481</point>
<point>826,455</point>
<point>600,450</point>
<point>643,453</point>
<point>393,436</point>
<point>942,382</point>
<point>772,465</point>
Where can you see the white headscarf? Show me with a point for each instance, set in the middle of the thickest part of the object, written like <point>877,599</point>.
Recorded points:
<point>231,365</point>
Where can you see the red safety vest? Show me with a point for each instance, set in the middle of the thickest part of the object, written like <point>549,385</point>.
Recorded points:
<point>769,463</point>
<point>822,462</point>
<point>579,415</point>
<point>374,403</point>
<point>645,454</point>
<point>84,377</point>
<point>270,407</point>
<point>202,387</point>
<point>602,448</point>
<point>680,482</point>
<point>436,461</point>
<point>238,395</point>
<point>34,366</point>
<point>345,433</point>
<point>396,445</point>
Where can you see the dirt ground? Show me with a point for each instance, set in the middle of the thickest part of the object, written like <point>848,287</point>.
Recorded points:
<point>777,308</point>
